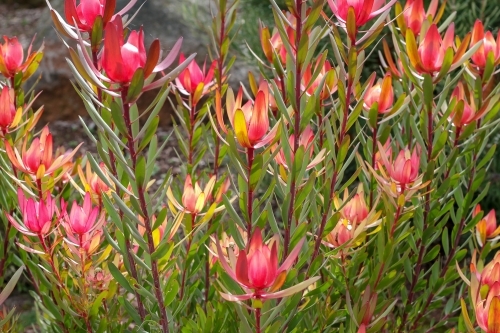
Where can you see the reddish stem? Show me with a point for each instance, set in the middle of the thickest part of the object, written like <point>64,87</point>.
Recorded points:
<point>296,130</point>
<point>192,114</point>
<point>250,156</point>
<point>5,248</point>
<point>421,252</point>
<point>188,248</point>
<point>145,214</point>
<point>257,320</point>
<point>374,152</point>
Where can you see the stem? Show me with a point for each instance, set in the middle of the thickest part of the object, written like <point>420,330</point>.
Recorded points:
<point>420,243</point>
<point>192,114</point>
<point>5,248</point>
<point>374,152</point>
<point>319,235</point>
<point>453,249</point>
<point>250,156</point>
<point>296,130</point>
<point>128,245</point>
<point>188,248</point>
<point>145,214</point>
<point>257,320</point>
<point>84,281</point>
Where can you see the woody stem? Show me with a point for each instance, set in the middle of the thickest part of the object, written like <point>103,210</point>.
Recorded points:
<point>145,214</point>
<point>250,156</point>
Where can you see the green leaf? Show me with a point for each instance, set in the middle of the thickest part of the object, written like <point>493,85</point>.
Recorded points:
<point>135,87</point>
<point>117,275</point>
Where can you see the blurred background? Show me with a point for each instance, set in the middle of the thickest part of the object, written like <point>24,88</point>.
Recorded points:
<point>168,20</point>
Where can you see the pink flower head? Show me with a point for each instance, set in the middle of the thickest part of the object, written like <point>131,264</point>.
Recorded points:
<point>12,59</point>
<point>486,228</point>
<point>354,218</point>
<point>257,270</point>
<point>414,14</point>
<point>82,219</point>
<point>38,160</point>
<point>488,312</point>
<point>432,49</point>
<point>364,10</point>
<point>273,44</point>
<point>120,60</point>
<point>382,93</point>
<point>193,80</point>
<point>489,45</point>
<point>330,82</point>
<point>404,170</point>
<point>251,121</point>
<point>306,141</point>
<point>37,215</point>
<point>87,12</point>
<point>194,198</point>
<point>468,114</point>
<point>7,109</point>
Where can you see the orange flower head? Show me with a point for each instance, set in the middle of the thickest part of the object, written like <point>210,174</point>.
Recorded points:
<point>468,114</point>
<point>490,45</point>
<point>251,121</point>
<point>381,93</point>
<point>8,112</point>
<point>327,77</point>
<point>38,160</point>
<point>414,14</point>
<point>487,228</point>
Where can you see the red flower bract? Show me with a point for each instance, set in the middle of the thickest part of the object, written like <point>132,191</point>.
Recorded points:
<point>120,60</point>
<point>87,12</point>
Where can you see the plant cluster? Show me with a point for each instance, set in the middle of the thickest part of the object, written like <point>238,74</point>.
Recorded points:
<point>311,198</point>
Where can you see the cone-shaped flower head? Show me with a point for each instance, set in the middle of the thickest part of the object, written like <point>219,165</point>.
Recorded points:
<point>120,60</point>
<point>354,219</point>
<point>193,80</point>
<point>250,121</point>
<point>12,59</point>
<point>490,275</point>
<point>488,313</point>
<point>87,11</point>
<point>467,113</point>
<point>257,269</point>
<point>38,159</point>
<point>486,228</point>
<point>92,182</point>
<point>327,78</point>
<point>404,170</point>
<point>414,14</point>
<point>430,54</point>
<point>82,219</point>
<point>306,141</point>
<point>83,225</point>
<point>480,57</point>
<point>273,44</point>
<point>381,93</point>
<point>194,198</point>
<point>7,110</point>
<point>364,10</point>
<point>37,215</point>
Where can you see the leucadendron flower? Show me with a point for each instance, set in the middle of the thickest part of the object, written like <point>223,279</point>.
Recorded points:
<point>194,198</point>
<point>257,270</point>
<point>414,14</point>
<point>38,159</point>
<point>489,48</point>
<point>485,293</point>
<point>355,218</point>
<point>486,228</point>
<point>381,93</point>
<point>12,59</point>
<point>251,120</point>
<point>430,53</point>
<point>37,216</point>
<point>9,117</point>
<point>194,81</point>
